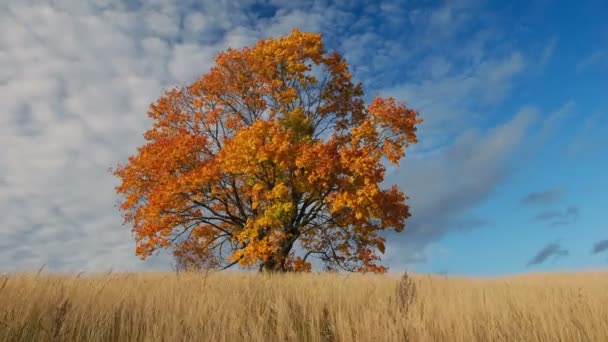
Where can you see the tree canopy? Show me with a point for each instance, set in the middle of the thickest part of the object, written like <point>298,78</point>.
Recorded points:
<point>269,159</point>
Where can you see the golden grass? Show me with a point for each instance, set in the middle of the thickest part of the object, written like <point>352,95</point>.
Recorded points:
<point>303,307</point>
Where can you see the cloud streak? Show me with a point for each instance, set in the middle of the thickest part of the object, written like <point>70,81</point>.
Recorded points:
<point>597,58</point>
<point>554,250</point>
<point>559,218</point>
<point>590,136</point>
<point>476,163</point>
<point>600,246</point>
<point>542,197</point>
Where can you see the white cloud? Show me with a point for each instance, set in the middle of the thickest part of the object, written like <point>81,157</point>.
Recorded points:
<point>75,103</point>
<point>184,57</point>
<point>162,24</point>
<point>196,22</point>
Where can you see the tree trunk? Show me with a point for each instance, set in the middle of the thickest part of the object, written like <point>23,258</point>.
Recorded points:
<point>273,264</point>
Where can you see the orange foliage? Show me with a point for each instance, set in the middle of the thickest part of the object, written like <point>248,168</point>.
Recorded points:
<point>273,148</point>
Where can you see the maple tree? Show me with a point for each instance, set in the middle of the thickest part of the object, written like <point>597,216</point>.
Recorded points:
<point>273,148</point>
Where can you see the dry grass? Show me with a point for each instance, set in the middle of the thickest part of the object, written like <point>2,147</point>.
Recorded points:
<point>313,307</point>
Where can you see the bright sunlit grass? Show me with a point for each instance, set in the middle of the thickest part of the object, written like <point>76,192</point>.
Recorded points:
<point>303,307</point>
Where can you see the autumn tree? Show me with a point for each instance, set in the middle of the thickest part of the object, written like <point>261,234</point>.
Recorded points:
<point>270,158</point>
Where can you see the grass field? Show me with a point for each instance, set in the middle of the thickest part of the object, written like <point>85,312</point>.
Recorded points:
<point>303,307</point>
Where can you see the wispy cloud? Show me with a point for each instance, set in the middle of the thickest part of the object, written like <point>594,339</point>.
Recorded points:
<point>547,53</point>
<point>600,246</point>
<point>596,59</point>
<point>446,100</point>
<point>554,122</point>
<point>559,217</point>
<point>477,163</point>
<point>590,137</point>
<point>543,197</point>
<point>553,249</point>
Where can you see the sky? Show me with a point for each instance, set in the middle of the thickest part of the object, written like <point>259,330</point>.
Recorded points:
<point>509,174</point>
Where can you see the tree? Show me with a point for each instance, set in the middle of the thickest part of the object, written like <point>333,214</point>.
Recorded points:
<point>273,148</point>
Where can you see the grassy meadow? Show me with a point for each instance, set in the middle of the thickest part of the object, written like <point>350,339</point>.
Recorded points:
<point>303,307</point>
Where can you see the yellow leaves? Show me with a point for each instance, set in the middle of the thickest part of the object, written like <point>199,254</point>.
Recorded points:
<point>365,130</point>
<point>287,96</point>
<point>255,149</point>
<point>282,212</point>
<point>279,192</point>
<point>262,237</point>
<point>274,215</point>
<point>256,194</point>
<point>299,123</point>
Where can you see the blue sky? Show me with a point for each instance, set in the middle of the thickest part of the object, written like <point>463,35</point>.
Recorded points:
<point>508,177</point>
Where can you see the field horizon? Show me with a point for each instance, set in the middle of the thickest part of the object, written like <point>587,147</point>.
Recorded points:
<point>241,306</point>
